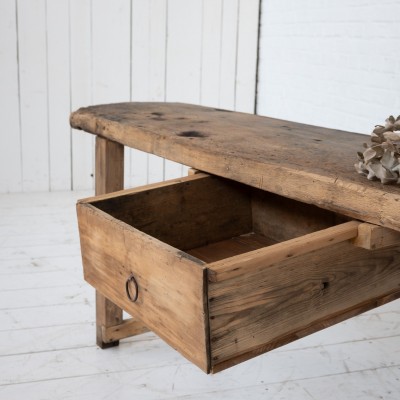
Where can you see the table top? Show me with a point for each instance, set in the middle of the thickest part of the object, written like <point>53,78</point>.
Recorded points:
<point>308,163</point>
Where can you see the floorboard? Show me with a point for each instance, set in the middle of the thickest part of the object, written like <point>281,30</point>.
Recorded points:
<point>47,333</point>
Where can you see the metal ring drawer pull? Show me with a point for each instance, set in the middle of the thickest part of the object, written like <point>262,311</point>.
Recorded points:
<point>131,282</point>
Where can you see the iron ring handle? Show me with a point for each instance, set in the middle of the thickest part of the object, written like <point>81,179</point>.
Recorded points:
<point>128,285</point>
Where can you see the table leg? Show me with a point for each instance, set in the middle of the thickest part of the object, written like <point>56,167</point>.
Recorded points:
<point>109,177</point>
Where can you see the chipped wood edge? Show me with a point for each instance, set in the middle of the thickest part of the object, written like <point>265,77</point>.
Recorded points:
<point>194,171</point>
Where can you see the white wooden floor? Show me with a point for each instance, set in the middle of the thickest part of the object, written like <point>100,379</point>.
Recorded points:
<point>47,333</point>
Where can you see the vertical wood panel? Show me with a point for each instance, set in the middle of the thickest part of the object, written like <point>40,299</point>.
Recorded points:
<point>211,52</point>
<point>111,51</point>
<point>138,168</point>
<point>59,94</point>
<point>246,71</point>
<point>156,78</point>
<point>184,50</point>
<point>81,91</point>
<point>228,54</point>
<point>148,75</point>
<point>33,92</point>
<point>111,54</point>
<point>109,177</point>
<point>10,144</point>
<point>183,74</point>
<point>74,53</point>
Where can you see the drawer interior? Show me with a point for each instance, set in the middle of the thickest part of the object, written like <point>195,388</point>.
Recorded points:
<point>213,218</point>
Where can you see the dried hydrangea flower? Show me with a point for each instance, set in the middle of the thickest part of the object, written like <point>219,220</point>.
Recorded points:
<point>381,160</point>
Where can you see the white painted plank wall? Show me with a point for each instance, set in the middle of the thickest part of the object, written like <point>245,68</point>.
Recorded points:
<point>148,50</point>
<point>81,83</point>
<point>59,55</point>
<point>58,75</point>
<point>10,134</point>
<point>32,58</point>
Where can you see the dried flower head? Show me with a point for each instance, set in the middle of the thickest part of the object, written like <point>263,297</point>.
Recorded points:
<point>381,159</point>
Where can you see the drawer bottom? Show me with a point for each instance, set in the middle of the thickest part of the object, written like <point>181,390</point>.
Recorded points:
<point>231,247</point>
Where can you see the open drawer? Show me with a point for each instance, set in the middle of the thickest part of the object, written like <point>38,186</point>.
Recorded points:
<point>224,272</point>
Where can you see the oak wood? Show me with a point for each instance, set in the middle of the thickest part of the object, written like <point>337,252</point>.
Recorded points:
<point>303,162</point>
<point>268,308</point>
<point>172,299</point>
<point>109,176</point>
<point>376,237</point>
<point>109,173</point>
<point>230,247</point>
<point>315,326</point>
<point>128,327</point>
<point>218,313</point>
<point>257,260</point>
<point>184,213</point>
<point>193,171</point>
<point>280,218</point>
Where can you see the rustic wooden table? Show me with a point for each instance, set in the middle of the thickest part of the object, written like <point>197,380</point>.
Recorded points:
<point>309,164</point>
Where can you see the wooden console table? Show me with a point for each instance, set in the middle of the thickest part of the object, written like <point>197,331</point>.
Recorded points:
<point>282,239</point>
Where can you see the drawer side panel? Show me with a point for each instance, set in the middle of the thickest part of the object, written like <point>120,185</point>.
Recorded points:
<point>171,296</point>
<point>290,299</point>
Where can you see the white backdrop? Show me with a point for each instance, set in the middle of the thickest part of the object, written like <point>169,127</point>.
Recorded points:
<point>330,63</point>
<point>59,55</point>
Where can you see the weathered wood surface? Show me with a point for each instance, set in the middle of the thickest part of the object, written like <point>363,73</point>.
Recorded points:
<point>109,177</point>
<point>172,301</point>
<point>128,327</point>
<point>185,212</point>
<point>290,299</point>
<point>230,247</point>
<point>307,163</point>
<point>237,293</point>
<point>256,261</point>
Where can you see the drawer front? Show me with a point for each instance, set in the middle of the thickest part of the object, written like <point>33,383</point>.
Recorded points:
<point>150,280</point>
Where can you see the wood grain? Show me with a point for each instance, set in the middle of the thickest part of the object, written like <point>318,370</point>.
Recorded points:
<point>109,177</point>
<point>184,213</point>
<point>128,327</point>
<point>376,237</point>
<point>252,293</point>
<point>172,301</point>
<point>230,247</point>
<point>271,307</point>
<point>109,166</point>
<point>315,326</point>
<point>291,159</point>
<point>255,261</point>
<point>280,218</point>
